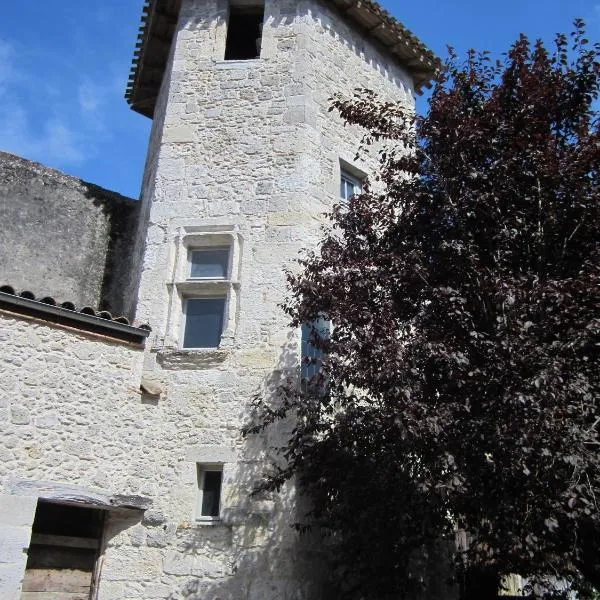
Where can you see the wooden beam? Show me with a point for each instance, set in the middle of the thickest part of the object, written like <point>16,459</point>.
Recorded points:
<point>64,541</point>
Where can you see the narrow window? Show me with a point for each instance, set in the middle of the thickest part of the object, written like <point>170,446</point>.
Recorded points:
<point>349,186</point>
<point>210,479</point>
<point>311,355</point>
<point>209,263</point>
<point>244,30</point>
<point>203,322</point>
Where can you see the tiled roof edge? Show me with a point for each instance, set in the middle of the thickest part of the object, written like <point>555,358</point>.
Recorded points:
<point>423,65</point>
<point>86,319</point>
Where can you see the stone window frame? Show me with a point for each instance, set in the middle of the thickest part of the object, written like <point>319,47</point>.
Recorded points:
<point>351,174</point>
<point>201,469</point>
<point>234,7</point>
<point>224,458</point>
<point>183,287</point>
<point>268,48</point>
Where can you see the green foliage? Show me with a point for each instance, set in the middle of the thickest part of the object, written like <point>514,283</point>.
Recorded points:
<point>461,381</point>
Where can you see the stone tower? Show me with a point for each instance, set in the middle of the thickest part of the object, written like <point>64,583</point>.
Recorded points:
<point>123,472</point>
<point>244,159</point>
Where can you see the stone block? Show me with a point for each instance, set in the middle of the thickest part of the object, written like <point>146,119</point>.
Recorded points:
<point>153,518</point>
<point>14,542</point>
<point>111,590</point>
<point>11,578</point>
<point>178,135</point>
<point>19,415</point>
<point>157,590</point>
<point>17,511</point>
<point>211,454</point>
<point>129,564</point>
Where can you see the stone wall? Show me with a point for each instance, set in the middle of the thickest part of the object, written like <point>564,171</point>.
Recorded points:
<point>65,238</point>
<point>245,149</point>
<point>240,150</point>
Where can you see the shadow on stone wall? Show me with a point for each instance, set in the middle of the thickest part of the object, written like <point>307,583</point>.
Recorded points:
<point>255,553</point>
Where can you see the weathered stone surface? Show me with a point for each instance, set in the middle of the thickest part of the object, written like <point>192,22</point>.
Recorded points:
<point>61,493</point>
<point>17,511</point>
<point>14,542</point>
<point>245,151</point>
<point>11,578</point>
<point>65,238</point>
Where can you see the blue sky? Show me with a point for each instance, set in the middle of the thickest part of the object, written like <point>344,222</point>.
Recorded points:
<point>64,66</point>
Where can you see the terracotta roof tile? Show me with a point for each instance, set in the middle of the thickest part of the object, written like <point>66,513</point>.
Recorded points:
<point>87,317</point>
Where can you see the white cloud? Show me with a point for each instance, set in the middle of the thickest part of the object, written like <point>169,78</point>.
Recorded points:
<point>53,142</point>
<point>57,119</point>
<point>7,54</point>
<point>89,96</point>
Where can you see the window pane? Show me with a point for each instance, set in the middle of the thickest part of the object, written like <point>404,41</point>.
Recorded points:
<point>203,322</point>
<point>212,263</point>
<point>348,186</point>
<point>309,350</point>
<point>211,494</point>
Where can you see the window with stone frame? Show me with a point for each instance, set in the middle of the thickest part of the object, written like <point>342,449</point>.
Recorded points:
<point>204,288</point>
<point>204,315</point>
<point>210,481</point>
<point>349,185</point>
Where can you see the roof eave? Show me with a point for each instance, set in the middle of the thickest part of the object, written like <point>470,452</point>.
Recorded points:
<point>158,26</point>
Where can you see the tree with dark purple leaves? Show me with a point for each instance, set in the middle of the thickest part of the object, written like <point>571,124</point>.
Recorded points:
<point>459,385</point>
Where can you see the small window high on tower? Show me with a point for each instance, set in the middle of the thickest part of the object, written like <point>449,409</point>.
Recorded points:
<point>244,29</point>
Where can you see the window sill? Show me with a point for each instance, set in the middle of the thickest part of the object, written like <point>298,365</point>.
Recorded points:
<point>211,522</point>
<point>248,63</point>
<point>189,528</point>
<point>192,360</point>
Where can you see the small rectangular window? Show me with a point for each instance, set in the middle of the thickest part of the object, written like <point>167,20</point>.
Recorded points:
<point>349,186</point>
<point>209,263</point>
<point>203,322</point>
<point>244,30</point>
<point>210,480</point>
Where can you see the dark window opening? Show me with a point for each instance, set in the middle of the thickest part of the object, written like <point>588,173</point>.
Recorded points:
<point>244,32</point>
<point>211,494</point>
<point>210,480</point>
<point>62,556</point>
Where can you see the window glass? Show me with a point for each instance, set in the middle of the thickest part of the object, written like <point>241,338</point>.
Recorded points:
<point>211,493</point>
<point>212,263</point>
<point>321,326</point>
<point>203,322</point>
<point>349,186</point>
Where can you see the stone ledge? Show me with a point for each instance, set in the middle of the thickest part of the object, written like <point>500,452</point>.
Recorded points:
<point>192,360</point>
<point>62,493</point>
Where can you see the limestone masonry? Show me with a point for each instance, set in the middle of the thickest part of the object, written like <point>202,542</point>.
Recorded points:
<point>123,471</point>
